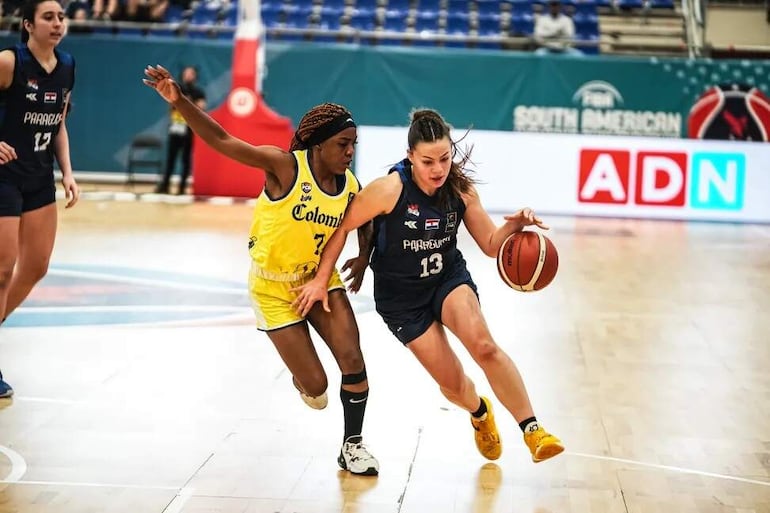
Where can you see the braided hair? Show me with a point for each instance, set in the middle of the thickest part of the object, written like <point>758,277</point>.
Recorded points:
<point>314,118</point>
<point>428,126</point>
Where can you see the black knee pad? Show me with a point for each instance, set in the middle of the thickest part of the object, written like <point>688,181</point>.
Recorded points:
<point>354,379</point>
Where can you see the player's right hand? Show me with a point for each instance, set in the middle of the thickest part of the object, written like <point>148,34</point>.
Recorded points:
<point>310,293</point>
<point>7,153</point>
<point>160,79</point>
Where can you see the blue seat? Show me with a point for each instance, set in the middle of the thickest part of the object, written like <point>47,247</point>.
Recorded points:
<point>205,14</point>
<point>433,6</point>
<point>299,18</point>
<point>362,20</point>
<point>489,24</point>
<point>334,4</point>
<point>271,17</point>
<point>458,6</point>
<point>590,49</point>
<point>457,23</point>
<point>394,21</point>
<point>426,22</point>
<point>488,7</point>
<point>230,15</point>
<point>174,14</point>
<point>330,19</point>
<point>522,25</point>
<point>586,24</point>
<point>366,5</point>
<point>398,5</point>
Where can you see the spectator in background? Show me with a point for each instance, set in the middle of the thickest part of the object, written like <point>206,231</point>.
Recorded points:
<point>79,13</point>
<point>180,136</point>
<point>555,31</point>
<point>146,11</point>
<point>105,9</point>
<point>10,9</point>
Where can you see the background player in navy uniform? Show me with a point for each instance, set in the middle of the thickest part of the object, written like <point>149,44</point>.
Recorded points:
<point>421,283</point>
<point>35,84</point>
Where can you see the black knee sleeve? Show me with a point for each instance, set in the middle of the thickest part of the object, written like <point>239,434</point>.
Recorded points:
<point>354,379</point>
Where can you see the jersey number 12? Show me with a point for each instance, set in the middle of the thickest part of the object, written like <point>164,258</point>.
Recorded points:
<point>42,140</point>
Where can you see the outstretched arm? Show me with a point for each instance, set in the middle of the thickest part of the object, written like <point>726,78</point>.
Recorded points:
<point>489,236</point>
<point>270,158</point>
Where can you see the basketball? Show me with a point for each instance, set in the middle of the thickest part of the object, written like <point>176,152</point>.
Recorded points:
<point>527,261</point>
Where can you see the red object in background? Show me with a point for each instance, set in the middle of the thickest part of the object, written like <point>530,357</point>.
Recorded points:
<point>245,115</point>
<point>738,112</point>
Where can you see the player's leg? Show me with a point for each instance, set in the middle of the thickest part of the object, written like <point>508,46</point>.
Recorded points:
<point>186,155</point>
<point>433,351</point>
<point>172,150</point>
<point>37,233</point>
<point>339,330</point>
<point>461,313</point>
<point>289,333</point>
<point>296,349</point>
<point>9,246</point>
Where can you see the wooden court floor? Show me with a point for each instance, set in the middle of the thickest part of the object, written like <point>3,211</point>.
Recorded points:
<point>143,387</point>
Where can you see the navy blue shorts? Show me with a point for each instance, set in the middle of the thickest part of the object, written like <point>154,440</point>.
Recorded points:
<point>19,195</point>
<point>413,314</point>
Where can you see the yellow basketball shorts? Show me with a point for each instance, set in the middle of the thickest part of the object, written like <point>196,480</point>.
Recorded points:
<point>271,299</point>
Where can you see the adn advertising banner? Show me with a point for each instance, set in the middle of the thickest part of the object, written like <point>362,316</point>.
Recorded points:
<point>641,177</point>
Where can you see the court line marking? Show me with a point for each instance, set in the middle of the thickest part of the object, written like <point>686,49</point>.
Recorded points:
<point>181,498</point>
<point>90,485</point>
<point>18,465</point>
<point>134,308</point>
<point>241,291</point>
<point>670,468</point>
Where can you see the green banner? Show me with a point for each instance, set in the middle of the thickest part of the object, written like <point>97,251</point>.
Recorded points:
<point>485,89</point>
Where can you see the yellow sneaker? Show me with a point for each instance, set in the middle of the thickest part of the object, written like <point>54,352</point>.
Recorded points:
<point>542,445</point>
<point>487,438</point>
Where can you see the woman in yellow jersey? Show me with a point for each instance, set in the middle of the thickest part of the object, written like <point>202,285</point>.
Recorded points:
<point>306,193</point>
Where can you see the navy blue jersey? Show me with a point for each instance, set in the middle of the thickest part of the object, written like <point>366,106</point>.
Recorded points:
<point>32,110</point>
<point>415,245</point>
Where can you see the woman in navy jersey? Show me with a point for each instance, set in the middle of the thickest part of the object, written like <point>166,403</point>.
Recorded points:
<point>422,285</point>
<point>36,81</point>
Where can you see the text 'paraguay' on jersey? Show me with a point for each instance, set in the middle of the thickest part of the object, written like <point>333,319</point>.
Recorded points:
<point>417,240</point>
<point>32,110</point>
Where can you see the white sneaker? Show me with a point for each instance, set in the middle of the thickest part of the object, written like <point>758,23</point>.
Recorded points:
<point>317,403</point>
<point>356,459</point>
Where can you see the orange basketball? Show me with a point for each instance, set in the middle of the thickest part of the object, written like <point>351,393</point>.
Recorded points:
<point>527,261</point>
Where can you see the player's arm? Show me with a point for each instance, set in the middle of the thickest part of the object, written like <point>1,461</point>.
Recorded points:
<point>272,159</point>
<point>61,148</point>
<point>487,235</point>
<point>377,198</point>
<point>7,63</point>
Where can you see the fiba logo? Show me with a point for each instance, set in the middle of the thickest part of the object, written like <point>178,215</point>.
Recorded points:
<point>736,112</point>
<point>597,94</point>
<point>242,102</point>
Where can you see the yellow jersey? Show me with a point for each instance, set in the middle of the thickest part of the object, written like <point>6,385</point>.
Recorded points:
<point>288,234</point>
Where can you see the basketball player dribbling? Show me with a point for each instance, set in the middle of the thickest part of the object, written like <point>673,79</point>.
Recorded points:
<point>421,283</point>
<point>307,191</point>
